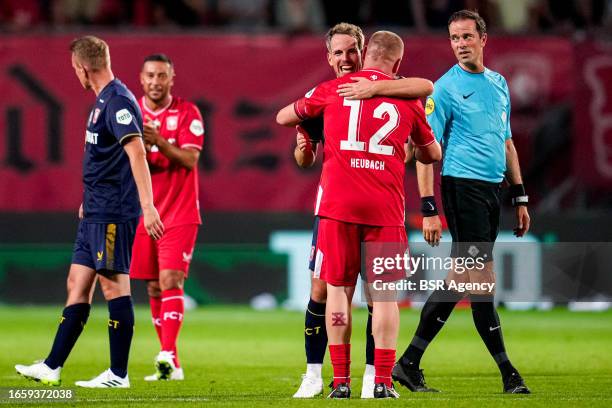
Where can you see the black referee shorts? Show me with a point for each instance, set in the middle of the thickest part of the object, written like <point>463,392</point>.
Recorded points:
<point>472,210</point>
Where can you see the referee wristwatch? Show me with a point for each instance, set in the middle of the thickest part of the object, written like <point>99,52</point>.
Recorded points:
<point>518,195</point>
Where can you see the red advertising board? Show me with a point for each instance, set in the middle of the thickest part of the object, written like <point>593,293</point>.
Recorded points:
<point>593,118</point>
<point>239,82</point>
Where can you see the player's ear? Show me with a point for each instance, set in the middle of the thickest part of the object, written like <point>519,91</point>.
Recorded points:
<point>172,75</point>
<point>85,71</point>
<point>483,39</point>
<point>396,65</point>
<point>363,54</point>
<point>80,66</point>
<point>329,59</point>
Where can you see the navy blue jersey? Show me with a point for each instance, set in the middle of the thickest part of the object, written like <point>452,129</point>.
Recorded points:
<point>110,191</point>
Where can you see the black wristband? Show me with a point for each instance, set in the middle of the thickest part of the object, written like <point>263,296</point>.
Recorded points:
<point>428,206</point>
<point>518,195</point>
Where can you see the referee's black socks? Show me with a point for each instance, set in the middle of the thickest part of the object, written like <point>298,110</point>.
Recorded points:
<point>434,314</point>
<point>487,323</point>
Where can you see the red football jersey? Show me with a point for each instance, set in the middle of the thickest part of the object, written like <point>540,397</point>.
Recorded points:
<point>175,188</point>
<point>362,180</point>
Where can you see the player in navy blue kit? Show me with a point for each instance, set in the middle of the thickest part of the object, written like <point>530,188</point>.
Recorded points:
<point>117,185</point>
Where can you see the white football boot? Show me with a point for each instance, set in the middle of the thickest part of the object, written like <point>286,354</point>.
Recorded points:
<point>367,384</point>
<point>164,364</point>
<point>177,375</point>
<point>311,386</point>
<point>40,372</point>
<point>106,380</point>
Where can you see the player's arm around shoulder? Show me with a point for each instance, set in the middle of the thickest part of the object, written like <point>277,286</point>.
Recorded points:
<point>310,106</point>
<point>287,116</point>
<point>403,88</point>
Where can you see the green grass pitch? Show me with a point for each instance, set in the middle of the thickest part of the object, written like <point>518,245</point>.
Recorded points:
<point>236,357</point>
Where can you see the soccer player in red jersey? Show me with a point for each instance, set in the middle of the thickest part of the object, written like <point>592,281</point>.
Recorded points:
<point>173,134</point>
<point>344,43</point>
<point>361,197</point>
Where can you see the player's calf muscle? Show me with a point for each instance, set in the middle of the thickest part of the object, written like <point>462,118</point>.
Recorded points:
<point>318,290</point>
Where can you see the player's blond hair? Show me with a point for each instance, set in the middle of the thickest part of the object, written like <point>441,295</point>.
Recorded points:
<point>91,51</point>
<point>386,45</point>
<point>348,29</point>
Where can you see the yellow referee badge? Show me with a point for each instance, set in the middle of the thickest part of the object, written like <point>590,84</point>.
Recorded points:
<point>429,106</point>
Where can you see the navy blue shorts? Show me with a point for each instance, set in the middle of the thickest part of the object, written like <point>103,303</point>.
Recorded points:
<point>106,248</point>
<point>313,248</point>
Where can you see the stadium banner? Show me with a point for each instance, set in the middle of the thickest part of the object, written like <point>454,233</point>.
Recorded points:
<point>239,82</point>
<point>593,114</point>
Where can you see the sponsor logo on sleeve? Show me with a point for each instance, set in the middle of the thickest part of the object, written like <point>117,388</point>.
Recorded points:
<point>196,127</point>
<point>309,93</point>
<point>123,117</point>
<point>430,106</point>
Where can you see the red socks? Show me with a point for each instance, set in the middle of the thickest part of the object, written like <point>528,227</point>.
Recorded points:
<point>383,364</point>
<point>155,303</point>
<point>340,355</point>
<point>171,316</point>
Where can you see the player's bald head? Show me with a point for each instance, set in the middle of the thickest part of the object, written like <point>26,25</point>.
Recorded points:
<point>385,45</point>
<point>92,52</point>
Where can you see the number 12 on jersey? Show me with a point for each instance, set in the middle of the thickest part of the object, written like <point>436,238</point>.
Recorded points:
<point>375,144</point>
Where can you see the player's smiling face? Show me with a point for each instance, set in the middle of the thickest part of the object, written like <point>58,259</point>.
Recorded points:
<point>467,44</point>
<point>157,79</point>
<point>343,56</point>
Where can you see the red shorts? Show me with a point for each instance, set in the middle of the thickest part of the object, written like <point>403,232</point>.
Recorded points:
<point>338,258</point>
<point>173,251</point>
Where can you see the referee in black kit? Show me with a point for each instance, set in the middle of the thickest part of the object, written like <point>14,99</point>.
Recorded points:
<point>469,113</point>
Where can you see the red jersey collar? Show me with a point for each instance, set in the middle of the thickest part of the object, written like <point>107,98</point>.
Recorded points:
<point>377,71</point>
<point>157,112</point>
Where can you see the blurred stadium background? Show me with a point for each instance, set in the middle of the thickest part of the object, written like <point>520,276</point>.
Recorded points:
<point>240,61</point>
